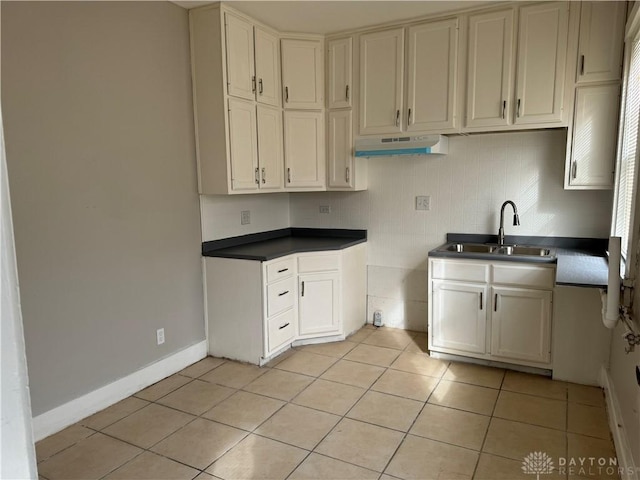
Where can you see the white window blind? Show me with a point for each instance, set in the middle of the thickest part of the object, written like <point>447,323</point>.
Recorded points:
<point>626,175</point>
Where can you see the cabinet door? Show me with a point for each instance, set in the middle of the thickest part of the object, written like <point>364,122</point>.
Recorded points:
<point>340,77</point>
<point>600,44</point>
<point>340,149</point>
<point>243,149</point>
<point>459,316</point>
<point>432,70</point>
<point>302,74</point>
<point>270,153</point>
<point>318,305</point>
<point>381,74</point>
<point>542,47</point>
<point>267,67</point>
<point>521,324</point>
<point>239,48</point>
<point>593,143</point>
<point>490,69</point>
<point>304,149</point>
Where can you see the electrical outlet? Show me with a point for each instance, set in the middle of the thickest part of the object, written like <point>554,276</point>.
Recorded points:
<point>325,209</point>
<point>423,203</point>
<point>245,217</point>
<point>160,336</point>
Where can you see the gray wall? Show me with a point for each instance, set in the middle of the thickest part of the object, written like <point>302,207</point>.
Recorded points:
<point>99,136</point>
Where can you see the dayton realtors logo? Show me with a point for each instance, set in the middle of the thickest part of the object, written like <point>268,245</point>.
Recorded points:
<point>537,463</point>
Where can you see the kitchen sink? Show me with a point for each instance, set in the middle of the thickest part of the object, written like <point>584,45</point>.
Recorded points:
<point>487,250</point>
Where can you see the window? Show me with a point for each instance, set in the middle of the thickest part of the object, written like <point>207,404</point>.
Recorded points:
<point>624,199</point>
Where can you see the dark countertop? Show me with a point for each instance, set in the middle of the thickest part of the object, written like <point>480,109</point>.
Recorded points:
<point>279,243</point>
<point>580,262</point>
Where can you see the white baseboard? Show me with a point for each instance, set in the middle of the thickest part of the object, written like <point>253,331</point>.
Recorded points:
<point>616,425</point>
<point>61,417</point>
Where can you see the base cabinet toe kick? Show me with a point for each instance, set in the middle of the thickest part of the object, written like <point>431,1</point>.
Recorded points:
<point>255,310</point>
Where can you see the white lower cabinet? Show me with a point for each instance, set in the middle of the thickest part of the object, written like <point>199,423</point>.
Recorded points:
<point>491,310</point>
<point>257,309</point>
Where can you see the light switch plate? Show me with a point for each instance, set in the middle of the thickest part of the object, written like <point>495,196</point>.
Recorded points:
<point>245,217</point>
<point>423,202</point>
<point>325,208</point>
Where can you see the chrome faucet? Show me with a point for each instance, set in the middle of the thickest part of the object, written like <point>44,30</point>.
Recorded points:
<point>516,220</point>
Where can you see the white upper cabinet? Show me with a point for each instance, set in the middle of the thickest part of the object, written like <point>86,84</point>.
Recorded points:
<point>340,155</point>
<point>600,45</point>
<point>302,74</point>
<point>243,148</point>
<point>381,81</point>
<point>593,146</point>
<point>304,149</point>
<point>267,72</point>
<point>432,76</point>
<point>270,149</point>
<point>340,60</point>
<point>241,77</point>
<point>490,69</point>
<point>542,49</point>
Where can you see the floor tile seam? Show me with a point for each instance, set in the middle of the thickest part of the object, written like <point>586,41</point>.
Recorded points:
<point>603,406</point>
<point>344,461</point>
<point>413,434</point>
<point>416,373</point>
<point>93,432</point>
<point>399,349</point>
<point>325,354</point>
<point>470,384</point>
<point>394,394</point>
<point>149,402</point>
<point>324,411</point>
<point>168,393</point>
<point>197,414</point>
<point>528,423</point>
<point>122,465</point>
<point>307,374</point>
<point>502,389</point>
<point>486,433</point>
<point>609,435</point>
<point>456,408</point>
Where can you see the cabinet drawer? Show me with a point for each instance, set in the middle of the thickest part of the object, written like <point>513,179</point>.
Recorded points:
<point>524,275</point>
<point>279,296</point>
<point>280,269</point>
<point>281,329</point>
<point>318,263</point>
<point>460,271</point>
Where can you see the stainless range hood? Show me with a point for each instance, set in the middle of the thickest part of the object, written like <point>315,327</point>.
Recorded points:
<point>402,145</point>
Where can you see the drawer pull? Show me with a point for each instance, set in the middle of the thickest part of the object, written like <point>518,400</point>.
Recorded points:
<point>283,270</point>
<point>283,293</point>
<point>283,326</point>
<point>495,303</point>
<point>302,294</point>
<point>481,301</point>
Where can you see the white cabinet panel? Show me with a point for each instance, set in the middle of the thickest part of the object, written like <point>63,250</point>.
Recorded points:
<point>459,316</point>
<point>490,69</point>
<point>593,145</point>
<point>280,296</point>
<point>304,149</point>
<point>521,324</point>
<point>318,304</point>
<point>340,73</point>
<point>381,81</point>
<point>281,330</point>
<point>600,45</point>
<point>318,263</point>
<point>243,149</point>
<point>267,56</point>
<point>270,148</point>
<point>302,75</point>
<point>340,155</point>
<point>542,47</point>
<point>240,66</point>
<point>432,76</point>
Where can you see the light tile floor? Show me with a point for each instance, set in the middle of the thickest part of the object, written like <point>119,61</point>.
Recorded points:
<point>375,406</point>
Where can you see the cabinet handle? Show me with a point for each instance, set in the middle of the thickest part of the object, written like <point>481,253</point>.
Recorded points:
<point>504,107</point>
<point>283,326</point>
<point>409,117</point>
<point>288,175</point>
<point>264,175</point>
<point>581,64</point>
<point>347,175</point>
<point>283,293</point>
<point>518,109</point>
<point>481,306</point>
<point>302,292</point>
<point>397,118</point>
<point>286,94</point>
<point>574,169</point>
<point>495,303</point>
<point>257,176</point>
<point>346,93</point>
<point>283,270</point>
<point>253,84</point>
<point>260,86</point>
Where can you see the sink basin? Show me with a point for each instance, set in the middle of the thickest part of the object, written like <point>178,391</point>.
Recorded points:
<point>527,251</point>
<point>470,248</point>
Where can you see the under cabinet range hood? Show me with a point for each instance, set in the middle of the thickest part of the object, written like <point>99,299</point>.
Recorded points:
<point>402,145</point>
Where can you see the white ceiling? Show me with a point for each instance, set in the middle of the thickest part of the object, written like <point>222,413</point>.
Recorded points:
<point>313,16</point>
